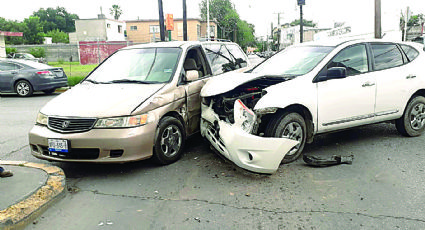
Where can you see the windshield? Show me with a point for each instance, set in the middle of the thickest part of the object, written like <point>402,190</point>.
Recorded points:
<point>149,65</point>
<point>293,61</point>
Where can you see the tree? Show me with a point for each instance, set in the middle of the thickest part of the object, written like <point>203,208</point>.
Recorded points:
<point>246,34</point>
<point>305,23</point>
<point>34,33</point>
<point>13,26</point>
<point>218,11</point>
<point>59,18</point>
<point>58,36</point>
<point>115,11</point>
<point>414,20</point>
<point>230,26</point>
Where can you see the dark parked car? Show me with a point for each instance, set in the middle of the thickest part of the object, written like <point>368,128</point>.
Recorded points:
<point>26,56</point>
<point>24,77</point>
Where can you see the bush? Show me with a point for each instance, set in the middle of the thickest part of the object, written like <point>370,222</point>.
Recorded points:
<point>11,50</point>
<point>38,52</point>
<point>75,80</point>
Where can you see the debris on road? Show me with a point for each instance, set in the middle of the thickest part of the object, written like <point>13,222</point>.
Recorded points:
<point>329,161</point>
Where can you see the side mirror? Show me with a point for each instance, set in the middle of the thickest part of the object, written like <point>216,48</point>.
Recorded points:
<point>336,73</point>
<point>191,75</point>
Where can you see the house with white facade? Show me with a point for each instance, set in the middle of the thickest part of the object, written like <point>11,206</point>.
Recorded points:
<point>98,29</point>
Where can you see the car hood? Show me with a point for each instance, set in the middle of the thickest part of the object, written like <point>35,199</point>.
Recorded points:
<point>226,82</point>
<point>100,100</point>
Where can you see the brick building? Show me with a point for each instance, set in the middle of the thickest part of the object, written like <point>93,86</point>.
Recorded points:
<point>144,31</point>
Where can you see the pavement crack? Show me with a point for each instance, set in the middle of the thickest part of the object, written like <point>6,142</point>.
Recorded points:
<point>158,198</point>
<point>16,150</point>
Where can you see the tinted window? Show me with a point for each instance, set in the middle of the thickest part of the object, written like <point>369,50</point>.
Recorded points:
<point>353,58</point>
<point>386,56</point>
<point>238,55</point>
<point>8,66</point>
<point>220,58</point>
<point>410,52</point>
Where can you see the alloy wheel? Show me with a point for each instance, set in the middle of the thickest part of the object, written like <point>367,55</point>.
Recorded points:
<point>171,141</point>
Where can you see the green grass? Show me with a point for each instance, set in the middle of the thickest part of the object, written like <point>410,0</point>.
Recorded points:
<point>74,70</point>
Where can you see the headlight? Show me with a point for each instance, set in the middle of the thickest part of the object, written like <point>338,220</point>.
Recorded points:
<point>244,117</point>
<point>123,122</point>
<point>41,119</point>
<point>266,110</point>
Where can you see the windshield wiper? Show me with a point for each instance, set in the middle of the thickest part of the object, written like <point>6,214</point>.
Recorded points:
<point>132,81</point>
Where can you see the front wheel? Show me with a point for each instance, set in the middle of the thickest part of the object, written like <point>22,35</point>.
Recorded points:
<point>169,141</point>
<point>412,123</point>
<point>23,88</point>
<point>292,126</point>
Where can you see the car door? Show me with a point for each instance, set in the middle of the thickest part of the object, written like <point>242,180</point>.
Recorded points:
<point>193,88</point>
<point>7,73</point>
<point>395,79</point>
<point>349,101</point>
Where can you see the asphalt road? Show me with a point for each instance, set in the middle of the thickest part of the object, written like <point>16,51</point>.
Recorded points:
<point>382,189</point>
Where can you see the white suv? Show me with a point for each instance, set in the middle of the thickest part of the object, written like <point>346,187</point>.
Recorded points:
<point>263,117</point>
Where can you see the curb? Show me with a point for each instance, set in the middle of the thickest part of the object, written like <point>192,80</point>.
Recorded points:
<point>19,215</point>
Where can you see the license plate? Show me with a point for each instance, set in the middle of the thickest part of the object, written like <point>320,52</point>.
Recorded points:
<point>58,145</point>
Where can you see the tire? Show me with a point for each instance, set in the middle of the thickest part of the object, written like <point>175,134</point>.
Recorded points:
<point>49,91</point>
<point>291,125</point>
<point>169,141</point>
<point>412,123</point>
<point>23,88</point>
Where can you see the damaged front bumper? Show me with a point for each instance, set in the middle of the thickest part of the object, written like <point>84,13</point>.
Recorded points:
<point>250,152</point>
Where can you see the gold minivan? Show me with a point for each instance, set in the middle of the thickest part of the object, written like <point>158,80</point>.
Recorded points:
<point>141,102</point>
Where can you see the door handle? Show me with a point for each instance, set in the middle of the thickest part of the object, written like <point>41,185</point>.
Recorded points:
<point>410,76</point>
<point>367,84</point>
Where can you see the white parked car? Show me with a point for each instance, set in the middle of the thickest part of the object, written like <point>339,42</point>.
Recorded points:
<point>263,117</point>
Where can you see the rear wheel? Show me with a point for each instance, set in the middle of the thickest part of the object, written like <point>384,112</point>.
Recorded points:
<point>412,123</point>
<point>23,88</point>
<point>169,141</point>
<point>292,126</point>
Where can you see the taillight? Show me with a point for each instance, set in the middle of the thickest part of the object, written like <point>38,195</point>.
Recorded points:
<point>46,72</point>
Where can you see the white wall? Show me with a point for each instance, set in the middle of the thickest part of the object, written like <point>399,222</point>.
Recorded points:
<point>112,33</point>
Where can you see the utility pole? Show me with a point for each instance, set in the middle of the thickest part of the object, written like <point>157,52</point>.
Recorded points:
<point>378,32</point>
<point>271,35</point>
<point>161,21</point>
<point>301,3</point>
<point>208,20</point>
<point>278,30</point>
<point>405,24</point>
<point>184,21</point>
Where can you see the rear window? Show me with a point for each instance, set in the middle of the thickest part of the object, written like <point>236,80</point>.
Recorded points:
<point>410,52</point>
<point>386,56</point>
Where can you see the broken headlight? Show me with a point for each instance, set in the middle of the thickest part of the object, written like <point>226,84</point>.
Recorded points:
<point>244,117</point>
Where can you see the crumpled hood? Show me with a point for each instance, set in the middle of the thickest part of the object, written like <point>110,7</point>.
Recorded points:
<point>99,100</point>
<point>226,82</point>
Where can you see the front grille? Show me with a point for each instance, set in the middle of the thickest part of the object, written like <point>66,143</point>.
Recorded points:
<point>70,125</point>
<point>73,154</point>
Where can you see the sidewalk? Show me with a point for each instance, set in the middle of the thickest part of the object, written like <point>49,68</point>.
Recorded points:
<point>28,193</point>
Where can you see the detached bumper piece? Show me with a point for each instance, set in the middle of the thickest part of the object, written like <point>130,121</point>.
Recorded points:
<point>253,153</point>
<point>329,161</point>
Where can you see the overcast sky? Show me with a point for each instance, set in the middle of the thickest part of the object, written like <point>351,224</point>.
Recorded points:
<point>261,13</point>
